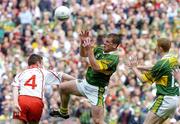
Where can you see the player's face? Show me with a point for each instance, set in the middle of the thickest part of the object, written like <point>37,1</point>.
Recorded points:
<point>109,45</point>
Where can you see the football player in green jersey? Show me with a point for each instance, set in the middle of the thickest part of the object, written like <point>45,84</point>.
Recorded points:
<point>167,93</point>
<point>103,62</point>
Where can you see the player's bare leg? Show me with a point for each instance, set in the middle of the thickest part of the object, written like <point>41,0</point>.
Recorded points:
<point>17,121</point>
<point>152,118</point>
<point>98,114</point>
<point>66,89</point>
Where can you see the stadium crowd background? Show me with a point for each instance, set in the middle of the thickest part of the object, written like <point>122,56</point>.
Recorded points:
<point>27,26</point>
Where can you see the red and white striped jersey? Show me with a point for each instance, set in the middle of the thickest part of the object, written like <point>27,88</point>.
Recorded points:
<point>32,81</point>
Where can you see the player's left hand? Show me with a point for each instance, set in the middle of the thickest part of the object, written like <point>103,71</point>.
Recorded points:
<point>88,43</point>
<point>83,36</point>
<point>16,109</point>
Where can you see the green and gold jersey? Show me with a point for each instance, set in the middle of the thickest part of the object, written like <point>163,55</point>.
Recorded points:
<point>107,62</point>
<point>161,75</point>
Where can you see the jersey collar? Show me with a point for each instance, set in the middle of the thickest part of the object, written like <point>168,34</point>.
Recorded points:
<point>33,66</point>
<point>169,55</point>
<point>112,52</point>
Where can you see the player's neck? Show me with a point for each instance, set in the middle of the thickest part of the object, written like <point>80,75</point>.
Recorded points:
<point>33,66</point>
<point>164,53</point>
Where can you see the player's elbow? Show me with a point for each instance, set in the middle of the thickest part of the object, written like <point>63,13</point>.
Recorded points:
<point>97,67</point>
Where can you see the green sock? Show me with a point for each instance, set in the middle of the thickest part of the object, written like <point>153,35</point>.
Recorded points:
<point>63,111</point>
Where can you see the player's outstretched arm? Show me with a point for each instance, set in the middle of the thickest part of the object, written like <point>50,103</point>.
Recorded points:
<point>55,78</point>
<point>144,68</point>
<point>138,73</point>
<point>133,65</point>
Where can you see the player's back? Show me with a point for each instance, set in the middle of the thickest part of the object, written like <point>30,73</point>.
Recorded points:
<point>31,82</point>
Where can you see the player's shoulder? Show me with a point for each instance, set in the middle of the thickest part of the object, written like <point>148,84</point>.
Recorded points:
<point>113,58</point>
<point>34,70</point>
<point>17,75</point>
<point>98,48</point>
<point>22,72</point>
<point>45,71</point>
<point>50,72</point>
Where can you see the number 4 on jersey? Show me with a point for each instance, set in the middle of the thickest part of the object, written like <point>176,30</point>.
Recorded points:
<point>31,82</point>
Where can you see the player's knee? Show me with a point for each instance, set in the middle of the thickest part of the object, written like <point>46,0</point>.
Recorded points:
<point>62,89</point>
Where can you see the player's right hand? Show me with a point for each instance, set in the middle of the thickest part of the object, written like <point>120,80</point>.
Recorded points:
<point>16,109</point>
<point>132,62</point>
<point>176,73</point>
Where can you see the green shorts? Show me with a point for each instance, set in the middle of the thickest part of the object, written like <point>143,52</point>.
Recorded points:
<point>165,106</point>
<point>96,95</point>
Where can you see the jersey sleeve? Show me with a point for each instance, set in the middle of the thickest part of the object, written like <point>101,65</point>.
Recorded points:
<point>106,64</point>
<point>16,82</point>
<point>53,78</point>
<point>147,77</point>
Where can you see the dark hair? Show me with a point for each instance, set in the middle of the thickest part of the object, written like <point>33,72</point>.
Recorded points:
<point>164,43</point>
<point>34,58</point>
<point>117,38</point>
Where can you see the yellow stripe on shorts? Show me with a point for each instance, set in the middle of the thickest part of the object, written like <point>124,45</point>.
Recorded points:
<point>100,96</point>
<point>157,104</point>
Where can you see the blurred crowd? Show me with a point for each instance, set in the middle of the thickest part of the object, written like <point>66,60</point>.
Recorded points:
<point>28,26</point>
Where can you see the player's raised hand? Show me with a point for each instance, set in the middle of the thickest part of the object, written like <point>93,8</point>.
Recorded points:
<point>16,109</point>
<point>132,62</point>
<point>88,43</point>
<point>83,36</point>
<point>176,73</point>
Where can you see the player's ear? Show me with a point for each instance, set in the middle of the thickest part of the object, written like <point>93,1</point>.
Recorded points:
<point>115,46</point>
<point>161,49</point>
<point>39,63</point>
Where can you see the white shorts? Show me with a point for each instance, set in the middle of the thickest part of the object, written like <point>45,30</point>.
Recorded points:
<point>165,106</point>
<point>96,95</point>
